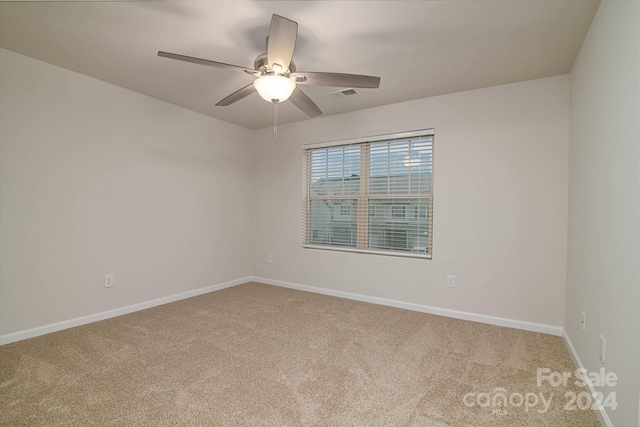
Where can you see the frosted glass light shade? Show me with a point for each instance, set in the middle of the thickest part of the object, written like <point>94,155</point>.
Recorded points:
<point>274,88</point>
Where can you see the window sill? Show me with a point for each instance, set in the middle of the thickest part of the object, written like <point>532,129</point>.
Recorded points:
<point>369,251</point>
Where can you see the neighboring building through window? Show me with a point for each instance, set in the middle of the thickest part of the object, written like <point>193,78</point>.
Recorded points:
<point>398,211</point>
<point>371,195</point>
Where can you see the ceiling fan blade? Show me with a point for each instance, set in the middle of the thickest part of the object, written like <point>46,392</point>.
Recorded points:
<point>200,61</point>
<point>336,80</point>
<point>303,102</point>
<point>237,95</point>
<point>282,41</point>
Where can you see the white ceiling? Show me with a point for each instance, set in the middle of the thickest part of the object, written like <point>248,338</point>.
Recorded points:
<point>418,48</point>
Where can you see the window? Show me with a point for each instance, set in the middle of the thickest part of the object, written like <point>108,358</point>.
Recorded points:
<point>370,195</point>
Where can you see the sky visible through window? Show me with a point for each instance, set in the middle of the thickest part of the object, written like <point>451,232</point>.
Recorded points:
<point>386,158</point>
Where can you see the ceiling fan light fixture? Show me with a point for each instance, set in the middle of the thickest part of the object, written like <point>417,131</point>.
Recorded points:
<point>274,88</point>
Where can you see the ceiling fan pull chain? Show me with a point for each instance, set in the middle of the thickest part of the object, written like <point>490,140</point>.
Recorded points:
<point>275,119</point>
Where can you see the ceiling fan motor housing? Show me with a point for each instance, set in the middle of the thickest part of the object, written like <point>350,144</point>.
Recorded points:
<point>262,64</point>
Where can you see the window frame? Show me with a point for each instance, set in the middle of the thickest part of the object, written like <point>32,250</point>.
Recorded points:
<point>364,197</point>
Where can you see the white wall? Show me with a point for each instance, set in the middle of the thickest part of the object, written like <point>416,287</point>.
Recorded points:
<point>500,203</point>
<point>97,179</point>
<point>604,202</point>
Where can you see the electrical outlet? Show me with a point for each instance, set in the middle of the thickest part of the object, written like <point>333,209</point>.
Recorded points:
<point>602,348</point>
<point>108,280</point>
<point>451,281</point>
<point>270,259</point>
<point>583,322</point>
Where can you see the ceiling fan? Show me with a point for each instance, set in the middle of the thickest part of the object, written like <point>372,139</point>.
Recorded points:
<point>277,77</point>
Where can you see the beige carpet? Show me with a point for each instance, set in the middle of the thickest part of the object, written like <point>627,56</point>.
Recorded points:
<point>261,355</point>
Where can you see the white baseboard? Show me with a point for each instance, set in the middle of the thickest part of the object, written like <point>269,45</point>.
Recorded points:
<point>78,321</point>
<point>481,318</point>
<point>602,413</point>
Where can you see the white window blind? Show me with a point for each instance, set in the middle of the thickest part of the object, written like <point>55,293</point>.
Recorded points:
<point>370,195</point>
